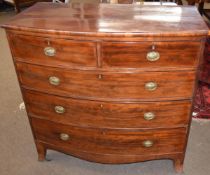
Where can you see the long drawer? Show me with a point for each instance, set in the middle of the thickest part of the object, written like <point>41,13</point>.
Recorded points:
<point>106,114</point>
<point>108,85</point>
<point>54,52</point>
<point>123,142</point>
<point>144,54</point>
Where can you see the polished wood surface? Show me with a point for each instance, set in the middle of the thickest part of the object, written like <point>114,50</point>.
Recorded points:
<point>92,91</point>
<point>110,158</point>
<point>114,55</point>
<point>133,55</point>
<point>100,114</point>
<point>110,141</point>
<point>82,53</point>
<point>105,19</point>
<point>108,86</point>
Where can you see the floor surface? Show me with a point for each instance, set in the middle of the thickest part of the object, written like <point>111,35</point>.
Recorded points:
<point>18,154</point>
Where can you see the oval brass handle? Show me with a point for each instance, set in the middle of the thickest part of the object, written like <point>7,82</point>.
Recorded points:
<point>151,86</point>
<point>153,56</point>
<point>49,51</point>
<point>59,109</point>
<point>54,80</point>
<point>64,137</point>
<point>147,143</point>
<point>149,116</point>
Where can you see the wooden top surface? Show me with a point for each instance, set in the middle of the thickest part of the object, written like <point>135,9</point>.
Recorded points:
<point>110,19</point>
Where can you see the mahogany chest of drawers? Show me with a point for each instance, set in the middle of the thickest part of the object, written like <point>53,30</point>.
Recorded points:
<point>108,83</point>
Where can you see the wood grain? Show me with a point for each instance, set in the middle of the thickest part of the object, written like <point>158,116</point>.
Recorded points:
<point>100,141</point>
<point>109,158</point>
<point>112,86</point>
<point>133,54</point>
<point>68,52</point>
<point>110,19</point>
<point>101,64</point>
<point>99,114</point>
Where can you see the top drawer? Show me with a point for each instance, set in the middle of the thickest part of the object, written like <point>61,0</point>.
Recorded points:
<point>150,55</point>
<point>53,52</point>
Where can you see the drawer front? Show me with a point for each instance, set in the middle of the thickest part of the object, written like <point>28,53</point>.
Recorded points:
<point>126,142</point>
<point>111,86</point>
<point>54,52</point>
<point>107,114</point>
<point>135,55</point>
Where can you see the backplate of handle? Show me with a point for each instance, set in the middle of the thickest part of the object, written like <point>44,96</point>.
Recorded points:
<point>54,80</point>
<point>151,86</point>
<point>147,143</point>
<point>64,136</point>
<point>59,109</point>
<point>49,51</point>
<point>149,116</point>
<point>153,56</point>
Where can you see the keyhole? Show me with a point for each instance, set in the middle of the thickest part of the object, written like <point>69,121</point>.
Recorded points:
<point>100,76</point>
<point>48,42</point>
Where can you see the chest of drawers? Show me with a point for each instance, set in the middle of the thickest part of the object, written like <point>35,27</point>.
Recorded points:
<point>108,83</point>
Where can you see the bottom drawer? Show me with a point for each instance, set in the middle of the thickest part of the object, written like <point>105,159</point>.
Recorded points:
<point>110,141</point>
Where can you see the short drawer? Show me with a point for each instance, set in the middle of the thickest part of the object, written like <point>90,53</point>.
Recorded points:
<point>106,114</point>
<point>111,86</point>
<point>51,51</point>
<point>125,142</point>
<point>139,55</point>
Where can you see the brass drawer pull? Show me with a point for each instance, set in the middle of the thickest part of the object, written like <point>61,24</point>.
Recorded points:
<point>149,116</point>
<point>54,80</point>
<point>147,143</point>
<point>64,137</point>
<point>153,56</point>
<point>151,86</point>
<point>49,51</point>
<point>59,109</point>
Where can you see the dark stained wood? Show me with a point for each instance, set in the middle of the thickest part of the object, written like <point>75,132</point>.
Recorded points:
<point>106,114</point>
<point>128,142</point>
<point>125,1</point>
<point>100,61</point>
<point>129,55</point>
<point>111,87</point>
<point>105,19</point>
<point>111,37</point>
<point>41,149</point>
<point>178,165</point>
<point>109,158</point>
<point>82,53</point>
